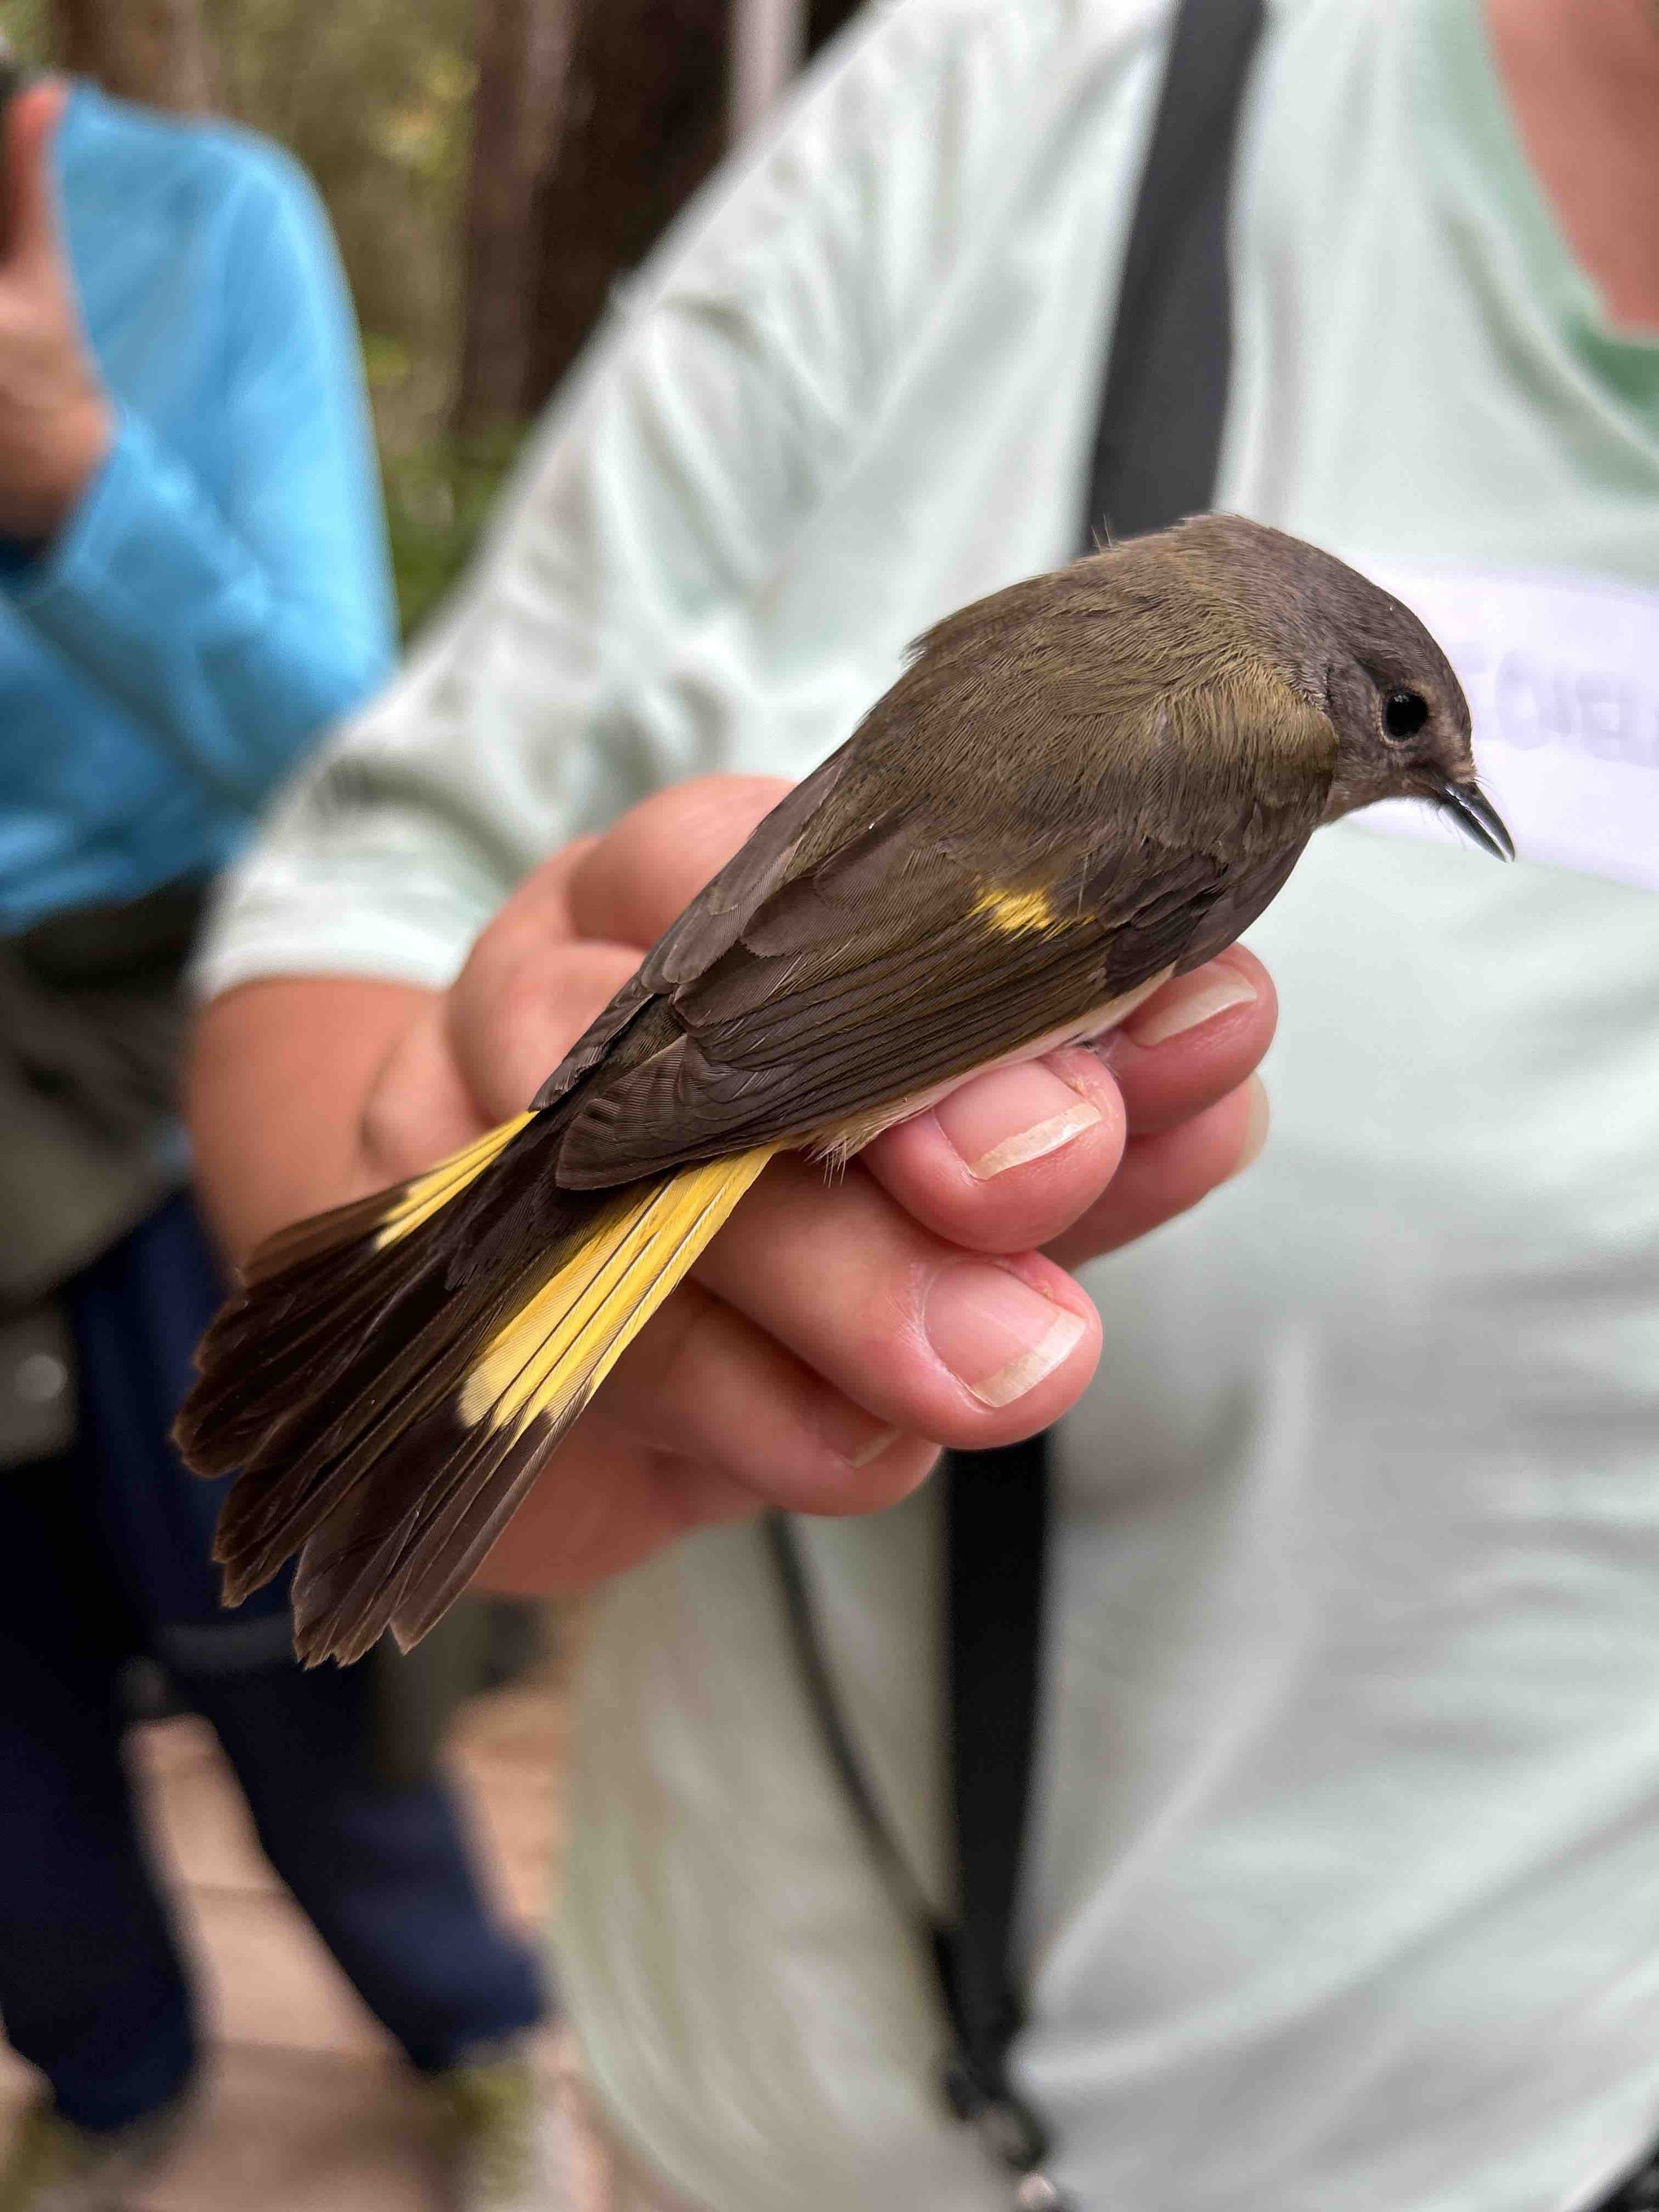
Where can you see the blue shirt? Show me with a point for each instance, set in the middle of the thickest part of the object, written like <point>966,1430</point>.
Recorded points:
<point>220,594</point>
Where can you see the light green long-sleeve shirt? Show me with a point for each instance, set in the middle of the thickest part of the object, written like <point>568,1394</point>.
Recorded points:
<point>1345,1895</point>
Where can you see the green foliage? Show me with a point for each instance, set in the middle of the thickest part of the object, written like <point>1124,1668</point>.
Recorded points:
<point>24,24</point>
<point>438,495</point>
<point>374,97</point>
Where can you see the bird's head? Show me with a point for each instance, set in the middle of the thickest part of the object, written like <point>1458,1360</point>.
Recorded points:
<point>1366,662</point>
<point>1401,721</point>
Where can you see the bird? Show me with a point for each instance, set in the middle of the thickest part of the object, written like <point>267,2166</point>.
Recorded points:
<point>1081,786</point>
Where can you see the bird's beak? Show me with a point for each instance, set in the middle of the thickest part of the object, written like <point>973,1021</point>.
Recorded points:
<point>1477,817</point>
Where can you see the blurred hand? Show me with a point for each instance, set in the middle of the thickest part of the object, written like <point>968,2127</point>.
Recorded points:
<point>838,1331</point>
<point>56,421</point>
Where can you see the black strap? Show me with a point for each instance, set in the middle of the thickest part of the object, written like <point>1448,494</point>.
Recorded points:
<point>826,1707</point>
<point>1155,460</point>
<point>1638,2192</point>
<point>996,1510</point>
<point>1165,401</point>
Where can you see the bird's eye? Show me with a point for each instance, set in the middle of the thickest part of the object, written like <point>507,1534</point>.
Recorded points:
<point>1404,713</point>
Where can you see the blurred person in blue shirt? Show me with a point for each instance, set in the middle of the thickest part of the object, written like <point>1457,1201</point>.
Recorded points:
<point>196,581</point>
<point>193,585</point>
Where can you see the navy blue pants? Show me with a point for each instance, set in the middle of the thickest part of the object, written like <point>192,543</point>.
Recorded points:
<point>104,1554</point>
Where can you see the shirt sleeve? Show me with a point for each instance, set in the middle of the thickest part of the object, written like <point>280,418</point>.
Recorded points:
<point>623,598</point>
<point>233,628</point>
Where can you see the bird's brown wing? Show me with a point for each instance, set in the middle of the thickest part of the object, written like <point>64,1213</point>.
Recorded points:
<point>819,980</point>
<point>708,927</point>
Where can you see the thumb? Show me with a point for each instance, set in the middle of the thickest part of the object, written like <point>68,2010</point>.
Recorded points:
<point>30,208</point>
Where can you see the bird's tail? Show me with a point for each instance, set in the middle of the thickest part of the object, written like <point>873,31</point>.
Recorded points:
<point>392,1374</point>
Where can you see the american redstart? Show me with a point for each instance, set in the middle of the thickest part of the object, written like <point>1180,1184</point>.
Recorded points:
<point>1080,787</point>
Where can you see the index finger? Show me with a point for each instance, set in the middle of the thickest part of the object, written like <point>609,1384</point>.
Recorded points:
<point>631,883</point>
<point>529,988</point>
<point>31,210</point>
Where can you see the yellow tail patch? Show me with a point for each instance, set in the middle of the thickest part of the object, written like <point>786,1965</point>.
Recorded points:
<point>429,1193</point>
<point>550,1357</point>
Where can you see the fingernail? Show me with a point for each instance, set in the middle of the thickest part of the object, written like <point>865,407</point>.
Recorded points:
<point>851,1433</point>
<point>1013,1114</point>
<point>1183,1005</point>
<point>995,1333</point>
<point>1255,1132</point>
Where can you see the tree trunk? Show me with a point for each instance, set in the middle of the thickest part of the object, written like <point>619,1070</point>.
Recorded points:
<point>153,51</point>
<point>522,47</point>
<point>644,121</point>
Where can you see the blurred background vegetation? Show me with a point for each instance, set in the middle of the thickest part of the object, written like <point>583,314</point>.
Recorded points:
<point>490,166</point>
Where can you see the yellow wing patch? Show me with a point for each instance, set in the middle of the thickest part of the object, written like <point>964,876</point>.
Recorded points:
<point>427,1194</point>
<point>1017,913</point>
<point>560,1345</point>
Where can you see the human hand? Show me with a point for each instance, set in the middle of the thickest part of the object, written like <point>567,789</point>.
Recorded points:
<point>838,1330</point>
<point>56,421</point>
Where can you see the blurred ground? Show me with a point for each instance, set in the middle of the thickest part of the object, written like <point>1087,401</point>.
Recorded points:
<point>305,2108</point>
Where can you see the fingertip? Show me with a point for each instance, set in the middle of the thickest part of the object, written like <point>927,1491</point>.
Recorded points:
<point>1168,1171</point>
<point>1227,985</point>
<point>712,1391</point>
<point>1011,1158</point>
<point>39,102</point>
<point>32,116</point>
<point>698,1495</point>
<point>882,1472</point>
<point>1019,1339</point>
<point>1258,1123</point>
<point>1011,1117</point>
<point>1194,1042</point>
